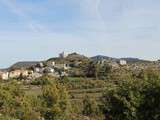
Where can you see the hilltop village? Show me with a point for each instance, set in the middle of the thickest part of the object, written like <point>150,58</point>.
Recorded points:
<point>68,64</point>
<point>31,70</point>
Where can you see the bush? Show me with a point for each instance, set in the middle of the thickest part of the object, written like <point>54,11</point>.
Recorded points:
<point>132,100</point>
<point>14,104</point>
<point>56,105</point>
<point>149,109</point>
<point>44,80</point>
<point>91,108</point>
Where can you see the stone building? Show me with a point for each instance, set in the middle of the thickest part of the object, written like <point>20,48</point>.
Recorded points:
<point>123,62</point>
<point>14,73</point>
<point>4,75</point>
<point>63,55</point>
<point>50,63</point>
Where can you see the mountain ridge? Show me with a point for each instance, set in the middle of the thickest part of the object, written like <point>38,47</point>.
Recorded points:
<point>26,64</point>
<point>128,59</point>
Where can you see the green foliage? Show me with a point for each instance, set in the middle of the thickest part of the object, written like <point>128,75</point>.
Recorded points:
<point>120,102</point>
<point>90,107</point>
<point>44,80</point>
<point>90,69</point>
<point>104,71</point>
<point>83,83</point>
<point>149,108</point>
<point>14,104</point>
<point>147,74</point>
<point>132,100</point>
<point>127,96</point>
<point>150,74</point>
<point>3,117</point>
<point>97,70</point>
<point>29,110</point>
<point>9,98</point>
<point>55,102</point>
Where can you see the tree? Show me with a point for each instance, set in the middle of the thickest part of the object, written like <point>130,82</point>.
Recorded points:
<point>132,100</point>
<point>121,101</point>
<point>149,109</point>
<point>56,102</point>
<point>29,108</point>
<point>104,71</point>
<point>87,106</point>
<point>90,69</point>
<point>14,104</point>
<point>90,107</point>
<point>44,80</point>
<point>10,95</point>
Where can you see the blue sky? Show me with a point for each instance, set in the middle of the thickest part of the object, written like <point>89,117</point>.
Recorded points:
<point>40,29</point>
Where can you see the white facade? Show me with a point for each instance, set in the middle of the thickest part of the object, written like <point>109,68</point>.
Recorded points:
<point>15,74</point>
<point>4,75</point>
<point>35,75</point>
<point>49,70</point>
<point>122,62</point>
<point>38,70</point>
<point>41,64</point>
<point>51,63</point>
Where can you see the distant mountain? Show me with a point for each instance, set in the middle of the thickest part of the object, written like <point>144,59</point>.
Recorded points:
<point>70,58</point>
<point>101,57</point>
<point>24,64</point>
<point>129,59</point>
<point>5,69</point>
<point>134,60</point>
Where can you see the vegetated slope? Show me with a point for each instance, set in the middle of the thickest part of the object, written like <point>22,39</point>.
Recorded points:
<point>132,60</point>
<point>73,57</point>
<point>128,59</point>
<point>102,57</point>
<point>24,64</point>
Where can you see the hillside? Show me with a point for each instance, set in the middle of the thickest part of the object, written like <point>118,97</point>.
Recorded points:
<point>128,59</point>
<point>133,60</point>
<point>75,57</point>
<point>24,64</point>
<point>70,58</point>
<point>102,57</point>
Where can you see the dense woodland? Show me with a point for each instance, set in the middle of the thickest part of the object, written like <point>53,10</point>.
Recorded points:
<point>92,92</point>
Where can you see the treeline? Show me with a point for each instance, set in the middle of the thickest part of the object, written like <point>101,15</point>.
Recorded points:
<point>132,97</point>
<point>52,104</point>
<point>132,100</point>
<point>88,68</point>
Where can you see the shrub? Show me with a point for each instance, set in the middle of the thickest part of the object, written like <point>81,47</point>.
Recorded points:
<point>132,100</point>
<point>55,102</point>
<point>44,80</point>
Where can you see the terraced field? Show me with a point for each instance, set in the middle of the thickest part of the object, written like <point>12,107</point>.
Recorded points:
<point>78,88</point>
<point>81,93</point>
